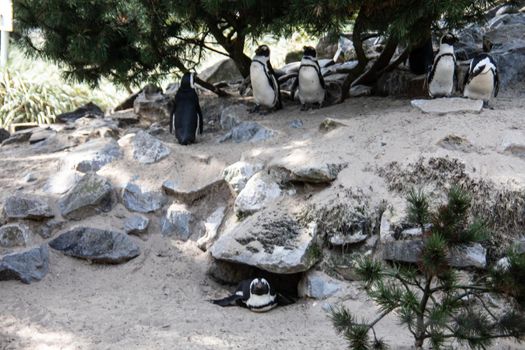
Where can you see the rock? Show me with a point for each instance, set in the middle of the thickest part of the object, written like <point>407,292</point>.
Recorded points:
<point>91,195</point>
<point>520,245</point>
<point>211,227</point>
<point>259,191</point>
<point>155,129</point>
<point>310,171</point>
<point>128,102</point>
<point>147,149</point>
<point>125,117</point>
<point>89,110</point>
<point>27,266</point>
<point>229,116</point>
<point>93,155</point>
<point>190,195</point>
<point>456,143</point>
<point>152,105</point>
<point>143,202</point>
<point>343,240</point>
<point>296,124</point>
<point>18,137</point>
<point>360,90</point>
<point>469,256</point>
<point>4,135</point>
<point>330,124</point>
<point>26,206</point>
<point>136,224</point>
<point>62,181</point>
<point>248,131</point>
<point>270,240</point>
<point>513,143</point>
<point>446,105</point>
<point>56,143</point>
<point>177,222</point>
<point>100,246</point>
<point>238,174</point>
<point>29,177</point>
<point>14,235</point>
<point>317,285</point>
<point>469,39</point>
<point>326,47</point>
<point>41,134</point>
<point>87,128</point>
<point>401,83</point>
<point>226,272</point>
<point>224,70</point>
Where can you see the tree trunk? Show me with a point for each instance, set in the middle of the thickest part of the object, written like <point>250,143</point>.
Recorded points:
<point>370,76</point>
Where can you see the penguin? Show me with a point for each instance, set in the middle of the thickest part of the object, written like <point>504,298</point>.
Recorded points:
<point>442,76</point>
<point>482,79</point>
<point>186,114</point>
<point>266,90</point>
<point>310,81</point>
<point>255,294</point>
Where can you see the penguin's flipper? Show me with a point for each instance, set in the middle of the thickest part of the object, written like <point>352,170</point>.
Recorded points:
<point>466,79</point>
<point>283,300</point>
<point>228,301</point>
<point>199,113</point>
<point>496,83</point>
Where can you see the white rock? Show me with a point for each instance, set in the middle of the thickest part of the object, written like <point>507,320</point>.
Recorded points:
<point>513,143</point>
<point>446,105</point>
<point>211,227</point>
<point>318,285</point>
<point>259,191</point>
<point>238,174</point>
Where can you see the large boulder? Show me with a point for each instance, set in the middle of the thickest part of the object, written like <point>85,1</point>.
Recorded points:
<point>27,266</point>
<point>100,246</point>
<point>91,195</point>
<point>401,83</point>
<point>134,199</point>
<point>224,70</point>
<point>178,222</point>
<point>152,105</point>
<point>146,149</point>
<point>238,174</point>
<point>14,235</point>
<point>272,240</point>
<point>26,206</point>
<point>260,190</point>
<point>93,155</point>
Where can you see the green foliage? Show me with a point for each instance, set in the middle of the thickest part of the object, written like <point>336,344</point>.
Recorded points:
<point>429,298</point>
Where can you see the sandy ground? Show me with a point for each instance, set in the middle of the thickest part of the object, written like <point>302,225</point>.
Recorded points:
<point>159,300</point>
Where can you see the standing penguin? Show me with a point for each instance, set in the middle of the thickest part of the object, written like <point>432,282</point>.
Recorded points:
<point>186,115</point>
<point>311,84</point>
<point>482,79</point>
<point>442,76</point>
<point>266,91</point>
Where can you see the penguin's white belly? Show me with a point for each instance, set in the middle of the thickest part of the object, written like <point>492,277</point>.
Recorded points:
<point>480,87</point>
<point>310,89</point>
<point>442,83</point>
<point>263,92</point>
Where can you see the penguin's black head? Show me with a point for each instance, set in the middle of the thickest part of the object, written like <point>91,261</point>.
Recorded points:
<point>449,39</point>
<point>263,50</point>
<point>309,51</point>
<point>259,286</point>
<point>187,81</point>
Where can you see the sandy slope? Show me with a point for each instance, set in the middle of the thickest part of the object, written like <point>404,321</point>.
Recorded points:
<point>158,300</point>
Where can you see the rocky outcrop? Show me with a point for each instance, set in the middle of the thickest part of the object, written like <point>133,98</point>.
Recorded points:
<point>317,285</point>
<point>136,224</point>
<point>446,105</point>
<point>211,227</point>
<point>14,235</point>
<point>178,222</point>
<point>238,174</point>
<point>143,202</point>
<point>248,132</point>
<point>260,190</point>
<point>26,206</point>
<point>191,194</point>
<point>89,110</point>
<point>151,104</point>
<point>100,246</point>
<point>28,266</point>
<point>146,149</point>
<point>93,155</point>
<point>91,195</point>
<point>224,70</point>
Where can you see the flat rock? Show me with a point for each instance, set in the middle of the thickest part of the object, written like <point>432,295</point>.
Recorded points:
<point>91,195</point>
<point>248,132</point>
<point>27,266</point>
<point>446,105</point>
<point>310,170</point>
<point>125,117</point>
<point>178,222</point>
<point>318,285</point>
<point>211,226</point>
<point>89,110</point>
<point>17,137</point>
<point>136,224</point>
<point>151,104</point>
<point>513,143</point>
<point>271,240</point>
<point>135,199</point>
<point>26,206</point>
<point>88,128</point>
<point>93,155</point>
<point>14,235</point>
<point>146,149</point>
<point>41,134</point>
<point>190,195</point>
<point>330,124</point>
<point>4,135</point>
<point>100,246</point>
<point>260,190</point>
<point>238,174</point>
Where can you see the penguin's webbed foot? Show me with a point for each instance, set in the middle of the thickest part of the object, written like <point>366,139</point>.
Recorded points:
<point>255,109</point>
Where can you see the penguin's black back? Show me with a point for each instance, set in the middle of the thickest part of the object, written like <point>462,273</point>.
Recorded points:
<point>186,115</point>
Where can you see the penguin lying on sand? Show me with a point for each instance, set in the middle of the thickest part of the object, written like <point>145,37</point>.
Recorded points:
<point>442,76</point>
<point>310,81</point>
<point>256,295</point>
<point>482,79</point>
<point>186,115</point>
<point>266,90</point>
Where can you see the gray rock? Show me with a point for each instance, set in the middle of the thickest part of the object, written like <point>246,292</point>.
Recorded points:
<point>177,222</point>
<point>456,143</point>
<point>270,240</point>
<point>224,70</point>
<point>100,246</point>
<point>62,181</point>
<point>4,135</point>
<point>88,128</point>
<point>260,190</point>
<point>125,117</point>
<point>248,131</point>
<point>56,143</point>
<point>143,202</point>
<point>238,174</point>
<point>18,137</point>
<point>513,143</point>
<point>152,105</point>
<point>89,110</point>
<point>27,266</point>
<point>26,206</point>
<point>469,256</point>
<point>93,155</point>
<point>91,195</point>
<point>14,235</point>
<point>317,285</point>
<point>211,226</point>
<point>146,149</point>
<point>446,105</point>
<point>342,239</point>
<point>296,124</point>
<point>136,224</point>
<point>190,195</point>
<point>229,116</point>
<point>401,83</point>
<point>41,134</point>
<point>308,171</point>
